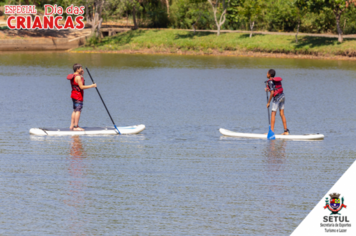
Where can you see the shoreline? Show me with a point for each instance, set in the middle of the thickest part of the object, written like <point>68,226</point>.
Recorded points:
<point>179,42</point>
<point>176,42</point>
<point>218,53</point>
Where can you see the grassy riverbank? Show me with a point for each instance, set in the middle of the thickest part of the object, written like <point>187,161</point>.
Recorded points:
<point>185,42</point>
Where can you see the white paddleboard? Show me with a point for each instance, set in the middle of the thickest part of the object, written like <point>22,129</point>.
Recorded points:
<point>264,136</point>
<point>88,130</point>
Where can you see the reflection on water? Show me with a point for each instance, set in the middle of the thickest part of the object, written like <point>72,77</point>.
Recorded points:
<point>275,153</point>
<point>275,172</point>
<point>77,186</point>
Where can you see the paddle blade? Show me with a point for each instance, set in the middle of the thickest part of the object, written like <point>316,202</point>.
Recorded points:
<point>118,131</point>
<point>270,135</point>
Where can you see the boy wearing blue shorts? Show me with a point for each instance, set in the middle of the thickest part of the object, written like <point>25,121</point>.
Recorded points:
<point>78,85</point>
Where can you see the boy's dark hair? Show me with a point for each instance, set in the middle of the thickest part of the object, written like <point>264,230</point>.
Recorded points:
<point>76,66</point>
<point>272,73</point>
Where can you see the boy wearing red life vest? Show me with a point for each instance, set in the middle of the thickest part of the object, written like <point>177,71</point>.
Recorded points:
<point>274,86</point>
<point>78,85</point>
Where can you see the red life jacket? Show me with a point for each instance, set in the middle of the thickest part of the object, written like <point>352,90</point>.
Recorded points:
<point>77,93</point>
<point>277,81</point>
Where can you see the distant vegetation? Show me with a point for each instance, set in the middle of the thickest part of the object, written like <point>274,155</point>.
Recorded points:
<point>173,41</point>
<point>309,16</point>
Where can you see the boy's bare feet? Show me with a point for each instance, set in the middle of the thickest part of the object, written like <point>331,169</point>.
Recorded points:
<point>78,129</point>
<point>286,132</point>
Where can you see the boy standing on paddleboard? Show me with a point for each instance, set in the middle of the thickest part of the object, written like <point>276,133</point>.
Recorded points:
<point>274,86</point>
<point>78,85</point>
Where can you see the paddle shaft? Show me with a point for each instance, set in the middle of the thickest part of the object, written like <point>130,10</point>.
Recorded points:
<point>102,100</point>
<point>269,118</point>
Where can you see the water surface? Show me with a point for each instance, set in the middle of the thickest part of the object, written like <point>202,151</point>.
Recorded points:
<point>179,176</point>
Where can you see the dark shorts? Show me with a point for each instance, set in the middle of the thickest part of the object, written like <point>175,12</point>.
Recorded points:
<point>77,105</point>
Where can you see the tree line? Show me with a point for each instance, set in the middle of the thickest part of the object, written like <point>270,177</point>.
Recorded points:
<point>309,16</point>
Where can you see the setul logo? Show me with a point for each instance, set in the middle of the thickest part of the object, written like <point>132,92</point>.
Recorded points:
<point>335,222</point>
<point>335,205</point>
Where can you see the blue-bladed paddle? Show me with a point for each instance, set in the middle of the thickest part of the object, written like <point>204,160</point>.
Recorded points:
<point>270,135</point>
<point>103,101</point>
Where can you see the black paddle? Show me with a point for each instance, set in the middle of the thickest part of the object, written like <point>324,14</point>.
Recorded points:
<point>103,101</point>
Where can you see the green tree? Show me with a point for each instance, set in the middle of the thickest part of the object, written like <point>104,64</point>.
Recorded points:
<point>301,11</point>
<point>186,14</point>
<point>280,16</point>
<point>232,10</point>
<point>232,14</point>
<point>155,11</point>
<point>251,10</point>
<point>338,7</point>
<point>200,16</point>
<point>167,5</point>
<point>348,21</point>
<point>121,6</point>
<point>179,14</point>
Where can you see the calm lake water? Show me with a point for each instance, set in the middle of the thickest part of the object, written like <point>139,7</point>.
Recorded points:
<point>179,176</point>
